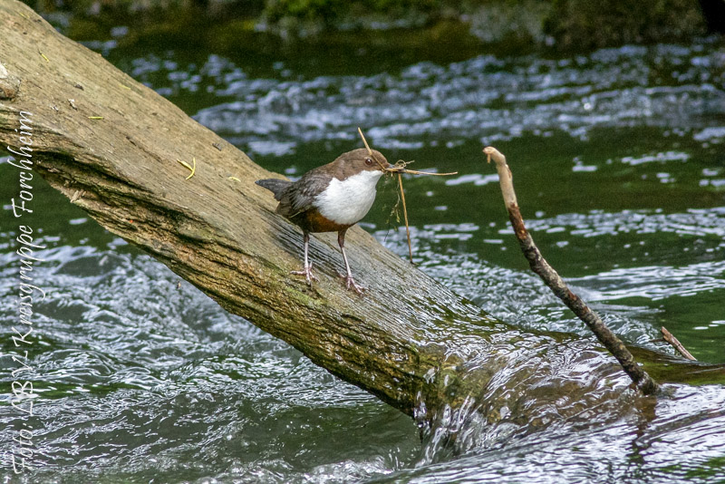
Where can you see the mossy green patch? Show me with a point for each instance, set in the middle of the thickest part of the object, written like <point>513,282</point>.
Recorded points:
<point>584,25</point>
<point>514,25</point>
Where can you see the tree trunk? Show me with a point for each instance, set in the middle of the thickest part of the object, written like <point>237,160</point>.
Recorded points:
<point>111,145</point>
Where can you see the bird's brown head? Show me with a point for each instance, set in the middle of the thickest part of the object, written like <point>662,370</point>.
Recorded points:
<point>359,160</point>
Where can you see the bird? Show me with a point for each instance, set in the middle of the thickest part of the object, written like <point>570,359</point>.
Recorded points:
<point>330,198</point>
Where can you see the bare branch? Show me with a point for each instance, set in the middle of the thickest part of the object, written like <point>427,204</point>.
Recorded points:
<point>552,279</point>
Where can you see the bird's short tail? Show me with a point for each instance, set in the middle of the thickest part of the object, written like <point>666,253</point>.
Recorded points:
<point>274,185</point>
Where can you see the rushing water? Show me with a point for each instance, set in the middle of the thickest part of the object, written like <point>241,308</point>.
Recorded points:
<point>619,163</point>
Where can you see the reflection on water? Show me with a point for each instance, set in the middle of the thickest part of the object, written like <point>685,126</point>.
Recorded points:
<point>617,159</point>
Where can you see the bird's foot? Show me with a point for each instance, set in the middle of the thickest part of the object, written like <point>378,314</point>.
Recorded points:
<point>351,284</point>
<point>307,272</point>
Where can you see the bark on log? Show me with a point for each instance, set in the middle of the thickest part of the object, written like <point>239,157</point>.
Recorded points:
<point>110,145</point>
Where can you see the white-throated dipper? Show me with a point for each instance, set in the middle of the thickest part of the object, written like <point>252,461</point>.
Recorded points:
<point>330,198</point>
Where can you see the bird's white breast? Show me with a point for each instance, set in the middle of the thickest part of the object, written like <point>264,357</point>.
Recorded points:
<point>348,201</point>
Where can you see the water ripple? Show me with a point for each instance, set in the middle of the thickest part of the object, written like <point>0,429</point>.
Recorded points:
<point>485,97</point>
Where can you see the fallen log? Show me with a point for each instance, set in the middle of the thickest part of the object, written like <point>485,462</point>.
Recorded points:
<point>111,145</point>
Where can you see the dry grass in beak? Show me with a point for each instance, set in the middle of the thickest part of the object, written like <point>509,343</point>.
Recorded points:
<point>399,168</point>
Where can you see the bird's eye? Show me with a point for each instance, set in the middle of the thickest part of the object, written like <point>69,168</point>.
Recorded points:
<point>369,161</point>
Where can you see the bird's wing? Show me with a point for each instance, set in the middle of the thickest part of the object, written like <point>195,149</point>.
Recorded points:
<point>300,196</point>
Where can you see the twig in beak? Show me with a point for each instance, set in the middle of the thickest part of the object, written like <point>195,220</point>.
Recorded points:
<point>370,152</point>
<point>359,130</point>
<point>405,215</point>
<point>397,169</point>
<point>400,168</point>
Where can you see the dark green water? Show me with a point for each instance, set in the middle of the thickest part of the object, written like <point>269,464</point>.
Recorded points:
<point>619,165</point>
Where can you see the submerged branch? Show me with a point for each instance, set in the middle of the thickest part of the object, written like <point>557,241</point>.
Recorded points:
<point>670,338</point>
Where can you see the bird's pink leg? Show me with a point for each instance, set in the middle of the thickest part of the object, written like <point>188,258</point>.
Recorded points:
<point>307,271</point>
<point>350,282</point>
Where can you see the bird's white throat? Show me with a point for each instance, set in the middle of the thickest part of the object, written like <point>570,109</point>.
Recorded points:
<point>348,201</point>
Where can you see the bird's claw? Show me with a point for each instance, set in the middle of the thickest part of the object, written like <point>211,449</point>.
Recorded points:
<point>349,281</point>
<point>351,284</point>
<point>307,272</point>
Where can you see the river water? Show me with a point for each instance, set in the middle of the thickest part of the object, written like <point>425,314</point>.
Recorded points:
<point>619,163</point>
